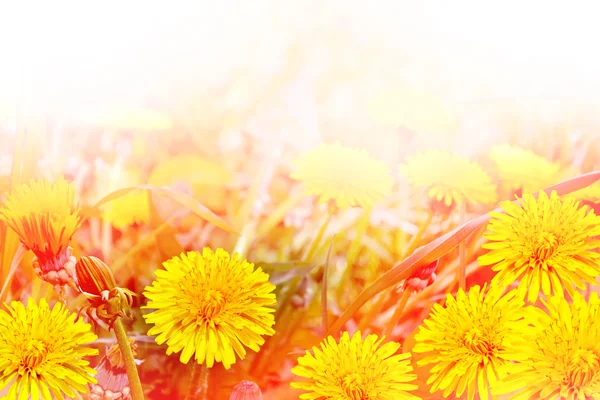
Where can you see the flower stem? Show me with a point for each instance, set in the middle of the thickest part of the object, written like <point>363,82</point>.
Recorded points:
<point>279,213</point>
<point>397,313</point>
<point>137,392</point>
<point>315,244</point>
<point>198,381</point>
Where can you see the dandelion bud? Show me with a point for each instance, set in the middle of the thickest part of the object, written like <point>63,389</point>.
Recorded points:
<point>246,390</point>
<point>421,278</point>
<point>97,283</point>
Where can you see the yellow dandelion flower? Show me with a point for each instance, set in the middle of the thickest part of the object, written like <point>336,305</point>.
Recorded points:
<point>355,369</point>
<point>133,208</point>
<point>563,357</point>
<point>547,242</point>
<point>45,218</point>
<point>41,352</point>
<point>449,177</point>
<point>211,304</point>
<point>523,170</point>
<point>471,341</point>
<point>349,176</point>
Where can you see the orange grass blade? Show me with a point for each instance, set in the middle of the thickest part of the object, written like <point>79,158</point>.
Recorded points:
<point>18,256</point>
<point>180,197</point>
<point>442,245</point>
<point>324,303</point>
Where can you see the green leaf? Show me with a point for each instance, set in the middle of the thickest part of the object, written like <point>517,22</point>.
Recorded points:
<point>285,271</point>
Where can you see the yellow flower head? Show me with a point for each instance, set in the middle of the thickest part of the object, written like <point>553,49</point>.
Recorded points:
<point>471,341</point>
<point>355,369</point>
<point>45,217</point>
<point>449,178</point>
<point>210,304</point>
<point>133,208</point>
<point>563,357</point>
<point>41,352</point>
<point>547,243</point>
<point>349,176</point>
<point>521,169</point>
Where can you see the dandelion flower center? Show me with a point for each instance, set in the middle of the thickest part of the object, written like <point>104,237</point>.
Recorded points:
<point>33,355</point>
<point>582,368</point>
<point>481,343</point>
<point>544,247</point>
<point>209,306</point>
<point>354,386</point>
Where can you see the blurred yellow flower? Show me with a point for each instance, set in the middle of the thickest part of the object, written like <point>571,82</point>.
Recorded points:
<point>449,178</point>
<point>416,110</point>
<point>563,357</point>
<point>133,208</point>
<point>211,304</point>
<point>207,179</point>
<point>521,169</point>
<point>472,341</point>
<point>547,242</point>
<point>41,352</point>
<point>355,369</point>
<point>45,217</point>
<point>590,193</point>
<point>350,177</point>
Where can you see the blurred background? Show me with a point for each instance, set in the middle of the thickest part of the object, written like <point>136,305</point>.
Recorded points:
<point>296,72</point>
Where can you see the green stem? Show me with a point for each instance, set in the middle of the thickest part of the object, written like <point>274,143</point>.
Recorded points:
<point>198,381</point>
<point>353,252</point>
<point>315,244</point>
<point>137,393</point>
<point>278,214</point>
<point>324,310</point>
<point>397,313</point>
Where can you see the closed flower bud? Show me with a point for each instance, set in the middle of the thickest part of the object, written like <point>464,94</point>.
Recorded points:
<point>106,300</point>
<point>246,390</point>
<point>421,278</point>
<point>94,276</point>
